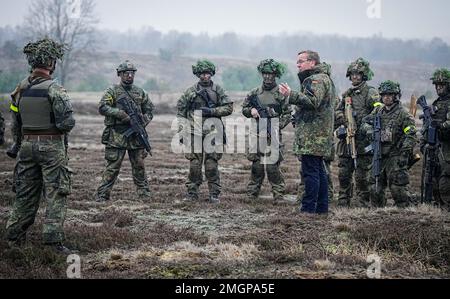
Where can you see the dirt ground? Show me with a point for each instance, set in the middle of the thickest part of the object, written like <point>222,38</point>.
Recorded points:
<point>167,238</point>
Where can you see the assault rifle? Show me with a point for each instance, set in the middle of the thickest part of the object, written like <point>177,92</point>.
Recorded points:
<point>137,124</point>
<point>351,129</point>
<point>430,152</point>
<point>211,105</point>
<point>264,114</point>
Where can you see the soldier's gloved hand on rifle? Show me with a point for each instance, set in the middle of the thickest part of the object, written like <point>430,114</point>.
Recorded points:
<point>403,159</point>
<point>207,112</point>
<point>436,124</point>
<point>146,120</point>
<point>123,116</point>
<point>341,133</point>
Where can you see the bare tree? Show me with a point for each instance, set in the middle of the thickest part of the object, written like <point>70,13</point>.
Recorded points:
<point>71,22</point>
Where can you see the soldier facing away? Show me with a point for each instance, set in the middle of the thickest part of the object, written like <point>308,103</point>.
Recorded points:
<point>211,101</point>
<point>441,121</point>
<point>41,115</point>
<point>357,102</point>
<point>275,106</point>
<point>397,139</point>
<point>117,123</point>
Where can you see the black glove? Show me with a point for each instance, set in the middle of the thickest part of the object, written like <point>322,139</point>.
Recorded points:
<point>2,140</point>
<point>403,160</point>
<point>341,133</point>
<point>123,116</point>
<point>207,112</point>
<point>436,124</point>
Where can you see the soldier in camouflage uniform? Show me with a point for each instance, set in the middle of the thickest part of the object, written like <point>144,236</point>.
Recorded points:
<point>213,103</point>
<point>314,131</point>
<point>41,115</point>
<point>441,121</point>
<point>2,129</point>
<point>363,99</point>
<point>277,107</point>
<point>398,138</point>
<point>117,122</point>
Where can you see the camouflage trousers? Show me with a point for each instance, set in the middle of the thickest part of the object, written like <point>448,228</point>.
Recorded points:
<point>394,174</point>
<point>114,158</point>
<point>274,175</point>
<point>195,178</point>
<point>441,185</point>
<point>41,170</point>
<point>346,185</point>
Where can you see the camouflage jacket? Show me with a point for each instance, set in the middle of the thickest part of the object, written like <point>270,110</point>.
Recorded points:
<point>364,99</point>
<point>442,115</point>
<point>60,103</point>
<point>315,124</point>
<point>113,135</point>
<point>282,111</point>
<point>398,129</point>
<point>191,101</point>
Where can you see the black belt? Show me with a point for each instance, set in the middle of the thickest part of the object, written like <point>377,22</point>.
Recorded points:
<point>43,137</point>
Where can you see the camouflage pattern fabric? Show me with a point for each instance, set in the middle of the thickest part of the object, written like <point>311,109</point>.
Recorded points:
<point>272,67</point>
<point>314,131</point>
<point>40,53</point>
<point>204,66</point>
<point>360,66</point>
<point>117,144</point>
<point>364,99</point>
<point>398,140</point>
<point>189,102</point>
<point>114,158</point>
<point>259,170</point>
<point>441,185</point>
<point>42,169</point>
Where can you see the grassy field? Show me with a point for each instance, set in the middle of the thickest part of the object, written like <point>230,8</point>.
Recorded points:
<point>166,238</point>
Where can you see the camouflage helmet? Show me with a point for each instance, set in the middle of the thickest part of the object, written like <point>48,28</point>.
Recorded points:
<point>272,67</point>
<point>390,87</point>
<point>360,66</point>
<point>126,66</point>
<point>441,76</point>
<point>43,52</point>
<point>204,66</point>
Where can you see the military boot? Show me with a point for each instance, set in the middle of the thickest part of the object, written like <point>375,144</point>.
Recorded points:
<point>60,248</point>
<point>214,199</point>
<point>144,194</point>
<point>100,198</point>
<point>190,197</point>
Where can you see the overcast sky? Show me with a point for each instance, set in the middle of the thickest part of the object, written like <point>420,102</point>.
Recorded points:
<point>397,18</point>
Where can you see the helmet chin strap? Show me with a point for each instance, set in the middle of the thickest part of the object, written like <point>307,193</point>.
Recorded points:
<point>51,67</point>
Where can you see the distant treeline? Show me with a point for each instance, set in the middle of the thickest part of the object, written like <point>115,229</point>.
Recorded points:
<point>284,46</point>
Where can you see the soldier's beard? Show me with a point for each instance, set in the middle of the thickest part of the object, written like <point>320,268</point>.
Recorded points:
<point>205,83</point>
<point>443,92</point>
<point>357,83</point>
<point>128,82</point>
<point>269,84</point>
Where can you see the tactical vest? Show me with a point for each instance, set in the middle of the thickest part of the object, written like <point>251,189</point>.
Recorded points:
<point>35,108</point>
<point>391,132</point>
<point>198,102</point>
